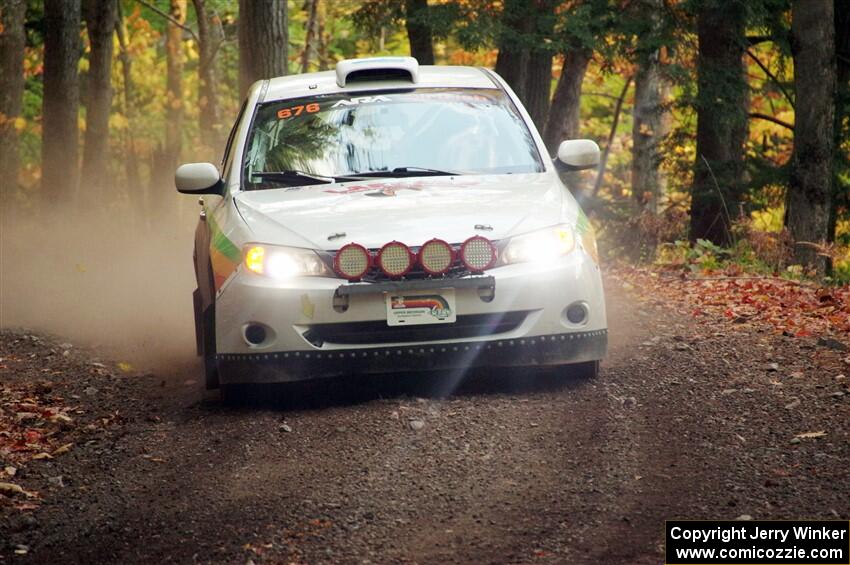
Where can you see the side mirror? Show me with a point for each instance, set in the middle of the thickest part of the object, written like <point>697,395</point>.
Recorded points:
<point>198,178</point>
<point>578,154</point>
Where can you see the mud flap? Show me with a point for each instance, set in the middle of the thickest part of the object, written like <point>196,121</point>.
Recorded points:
<point>208,344</point>
<point>199,330</point>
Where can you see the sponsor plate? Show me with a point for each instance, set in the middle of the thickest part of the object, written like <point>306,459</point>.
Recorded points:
<point>418,307</point>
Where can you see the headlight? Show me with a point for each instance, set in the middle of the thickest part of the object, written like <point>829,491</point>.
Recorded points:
<point>540,246</point>
<point>283,262</point>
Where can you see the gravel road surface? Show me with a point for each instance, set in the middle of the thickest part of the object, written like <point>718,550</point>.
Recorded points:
<point>685,421</point>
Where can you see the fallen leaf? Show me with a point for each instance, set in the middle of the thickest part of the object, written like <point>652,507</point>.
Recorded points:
<point>26,506</point>
<point>61,418</point>
<point>810,435</point>
<point>63,449</point>
<point>12,488</point>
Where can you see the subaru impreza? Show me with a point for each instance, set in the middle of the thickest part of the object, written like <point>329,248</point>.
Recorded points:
<point>389,217</point>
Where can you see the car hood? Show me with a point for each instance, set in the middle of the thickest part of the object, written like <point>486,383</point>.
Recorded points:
<point>411,210</point>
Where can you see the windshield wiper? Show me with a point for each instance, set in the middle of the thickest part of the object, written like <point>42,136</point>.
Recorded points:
<point>409,172</point>
<point>300,177</point>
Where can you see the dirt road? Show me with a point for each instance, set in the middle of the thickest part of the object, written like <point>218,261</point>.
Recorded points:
<point>685,421</point>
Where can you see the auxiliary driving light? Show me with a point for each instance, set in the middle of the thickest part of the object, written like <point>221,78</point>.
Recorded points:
<point>395,259</point>
<point>436,257</point>
<point>477,253</point>
<point>352,261</point>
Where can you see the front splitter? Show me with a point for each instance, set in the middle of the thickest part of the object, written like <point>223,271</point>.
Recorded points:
<point>289,366</point>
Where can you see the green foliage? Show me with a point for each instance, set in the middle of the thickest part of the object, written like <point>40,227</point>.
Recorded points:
<point>373,15</point>
<point>704,256</point>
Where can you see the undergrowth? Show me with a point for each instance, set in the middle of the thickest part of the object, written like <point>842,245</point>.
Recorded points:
<point>661,240</point>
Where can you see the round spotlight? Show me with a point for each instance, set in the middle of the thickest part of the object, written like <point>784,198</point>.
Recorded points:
<point>395,259</point>
<point>352,261</point>
<point>436,257</point>
<point>478,254</point>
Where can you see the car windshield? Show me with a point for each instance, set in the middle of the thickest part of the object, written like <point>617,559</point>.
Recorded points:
<point>390,133</point>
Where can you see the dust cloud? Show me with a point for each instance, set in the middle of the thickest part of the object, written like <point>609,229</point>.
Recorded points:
<point>103,279</point>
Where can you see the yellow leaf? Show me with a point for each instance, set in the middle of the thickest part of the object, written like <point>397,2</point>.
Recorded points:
<point>64,449</point>
<point>12,488</point>
<point>126,367</point>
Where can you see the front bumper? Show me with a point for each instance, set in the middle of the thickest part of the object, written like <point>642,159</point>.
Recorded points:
<point>523,322</point>
<point>549,350</point>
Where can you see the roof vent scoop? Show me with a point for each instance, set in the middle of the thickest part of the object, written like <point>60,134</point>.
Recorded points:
<point>377,68</point>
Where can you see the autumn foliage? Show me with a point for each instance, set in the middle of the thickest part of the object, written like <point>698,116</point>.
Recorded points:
<point>789,307</point>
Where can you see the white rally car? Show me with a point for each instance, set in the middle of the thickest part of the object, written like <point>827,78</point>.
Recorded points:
<point>386,217</point>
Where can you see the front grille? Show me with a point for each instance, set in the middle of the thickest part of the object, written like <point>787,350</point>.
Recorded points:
<point>375,332</point>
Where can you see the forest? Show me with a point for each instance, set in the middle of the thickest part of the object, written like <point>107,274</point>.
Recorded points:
<point>724,124</point>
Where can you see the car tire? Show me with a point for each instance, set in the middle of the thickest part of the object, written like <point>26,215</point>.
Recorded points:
<point>585,371</point>
<point>233,394</point>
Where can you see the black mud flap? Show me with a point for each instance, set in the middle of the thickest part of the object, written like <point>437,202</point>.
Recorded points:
<point>199,330</point>
<point>211,370</point>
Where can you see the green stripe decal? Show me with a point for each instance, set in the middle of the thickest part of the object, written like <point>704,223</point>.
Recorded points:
<point>582,223</point>
<point>222,244</point>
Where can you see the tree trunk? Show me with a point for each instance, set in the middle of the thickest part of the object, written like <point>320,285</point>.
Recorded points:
<point>131,161</point>
<point>841,188</point>
<point>311,38</point>
<point>603,162</point>
<point>650,125</point>
<point>650,119</point>
<point>538,78</point>
<point>810,190</point>
<point>513,58</point>
<point>263,41</point>
<point>511,65</point>
<point>419,31</point>
<point>100,16</point>
<point>208,43</point>
<point>721,121</point>
<point>322,39</point>
<point>61,101</point>
<point>165,158</point>
<point>538,83</point>
<point>12,42</point>
<point>563,120</point>
<point>174,83</point>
